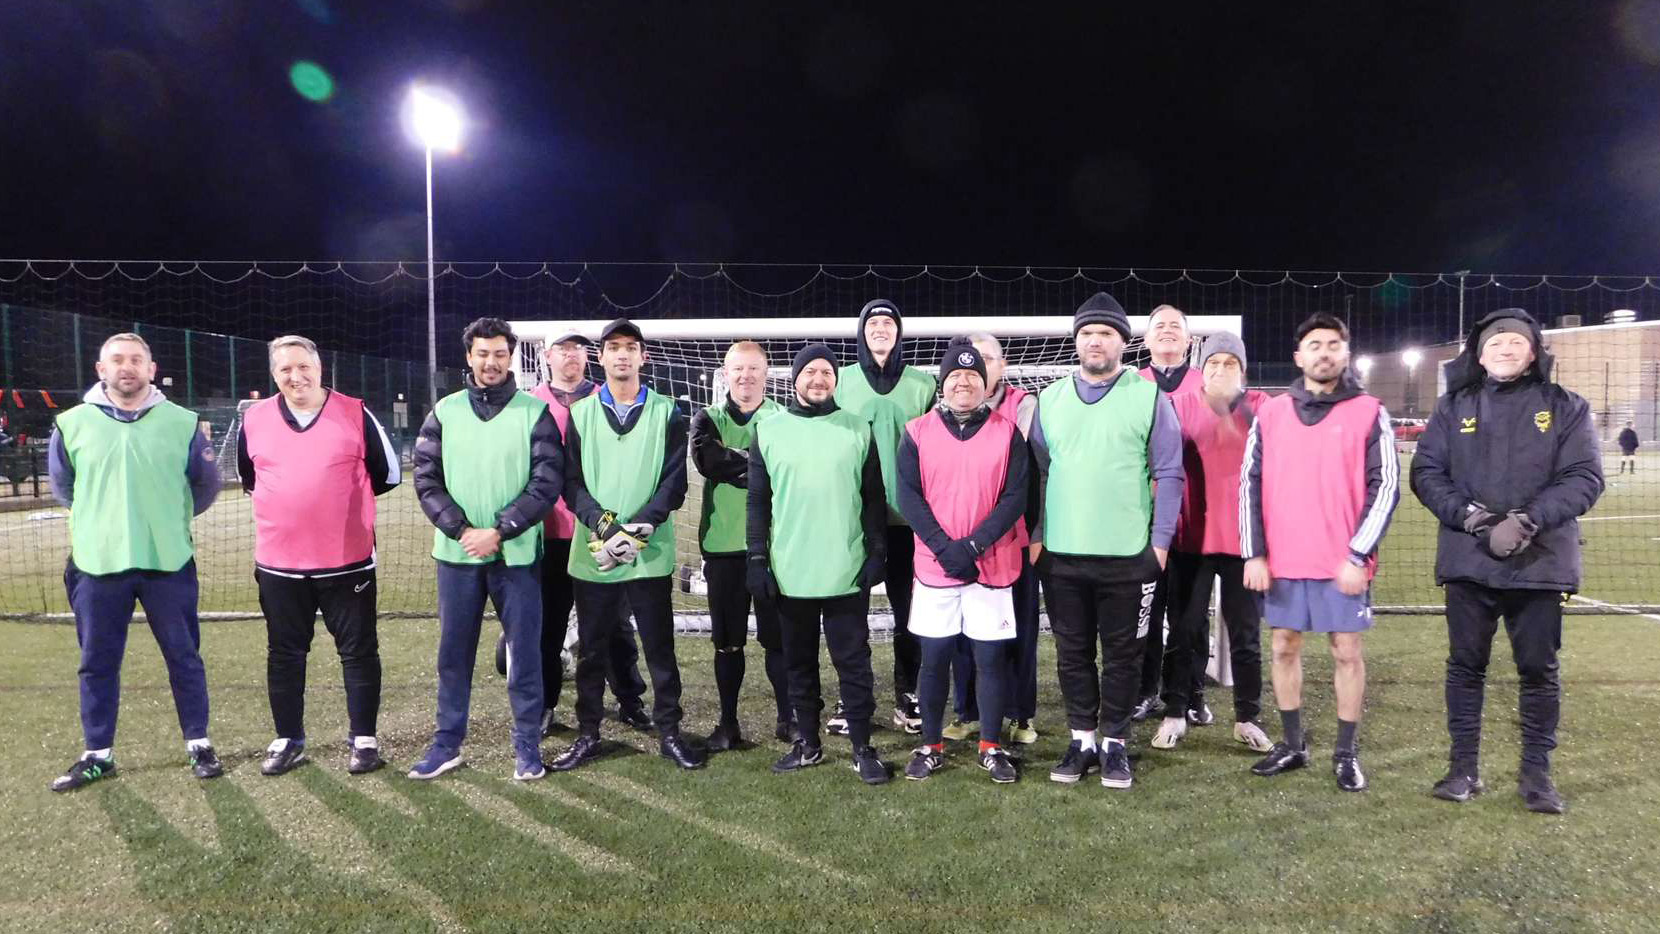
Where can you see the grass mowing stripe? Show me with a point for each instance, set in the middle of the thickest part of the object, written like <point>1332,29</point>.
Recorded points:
<point>736,833</point>
<point>586,856</point>
<point>305,823</point>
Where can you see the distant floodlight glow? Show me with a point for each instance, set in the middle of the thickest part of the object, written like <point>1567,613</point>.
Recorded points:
<point>434,119</point>
<point>1411,356</point>
<point>1364,365</point>
<point>313,83</point>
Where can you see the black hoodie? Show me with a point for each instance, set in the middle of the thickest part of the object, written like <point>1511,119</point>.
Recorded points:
<point>1527,445</point>
<point>885,376</point>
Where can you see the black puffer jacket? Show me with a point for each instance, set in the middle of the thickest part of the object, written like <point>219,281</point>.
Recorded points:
<point>1526,445</point>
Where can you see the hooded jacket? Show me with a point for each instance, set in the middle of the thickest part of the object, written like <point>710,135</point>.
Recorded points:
<point>1526,445</point>
<point>547,466</point>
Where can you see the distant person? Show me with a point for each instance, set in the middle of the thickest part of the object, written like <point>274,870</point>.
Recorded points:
<point>132,469</point>
<point>1508,462</point>
<point>1628,449</point>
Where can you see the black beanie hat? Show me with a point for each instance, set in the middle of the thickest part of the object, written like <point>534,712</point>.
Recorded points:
<point>807,355</point>
<point>1102,308</point>
<point>961,356</point>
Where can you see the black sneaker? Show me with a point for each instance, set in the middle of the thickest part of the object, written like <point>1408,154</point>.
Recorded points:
<point>1076,764</point>
<point>365,759</point>
<point>1458,786</point>
<point>282,756</point>
<point>872,770</point>
<point>1346,766</point>
<point>725,736</point>
<point>906,715</point>
<point>676,749</point>
<point>85,771</point>
<point>584,750</point>
<point>1146,707</point>
<point>204,763</point>
<point>837,724</point>
<point>1281,758</point>
<point>635,716</point>
<point>997,762</point>
<point>1115,766</point>
<point>925,761</point>
<point>800,756</point>
<point>1200,715</point>
<point>1539,793</point>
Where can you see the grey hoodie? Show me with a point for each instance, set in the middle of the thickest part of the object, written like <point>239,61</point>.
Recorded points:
<point>200,469</point>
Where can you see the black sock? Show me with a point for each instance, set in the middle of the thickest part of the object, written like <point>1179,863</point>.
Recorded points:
<point>729,679</point>
<point>778,674</point>
<point>1346,734</point>
<point>1291,721</point>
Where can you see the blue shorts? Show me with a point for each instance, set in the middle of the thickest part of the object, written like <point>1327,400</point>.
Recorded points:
<point>1316,606</point>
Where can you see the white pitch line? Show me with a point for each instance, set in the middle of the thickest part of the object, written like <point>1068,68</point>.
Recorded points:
<point>1615,608</point>
<point>740,835</point>
<point>1616,518</point>
<point>584,854</point>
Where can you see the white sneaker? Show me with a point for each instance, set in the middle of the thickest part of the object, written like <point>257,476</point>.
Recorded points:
<point>1171,731</point>
<point>1252,735</point>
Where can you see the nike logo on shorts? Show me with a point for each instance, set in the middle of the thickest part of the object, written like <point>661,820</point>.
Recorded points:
<point>359,587</point>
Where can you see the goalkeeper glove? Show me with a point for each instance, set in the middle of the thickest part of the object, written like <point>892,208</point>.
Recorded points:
<point>1477,519</point>
<point>872,572</point>
<point>1511,536</point>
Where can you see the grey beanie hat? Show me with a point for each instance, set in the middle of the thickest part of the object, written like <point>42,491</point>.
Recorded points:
<point>1222,342</point>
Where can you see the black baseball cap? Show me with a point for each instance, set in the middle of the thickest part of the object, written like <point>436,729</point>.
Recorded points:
<point>624,327</point>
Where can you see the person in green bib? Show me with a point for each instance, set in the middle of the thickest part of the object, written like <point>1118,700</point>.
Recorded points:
<point>720,449</point>
<point>132,469</point>
<point>488,467</point>
<point>625,457</point>
<point>1102,439</point>
<point>816,539</point>
<point>887,394</point>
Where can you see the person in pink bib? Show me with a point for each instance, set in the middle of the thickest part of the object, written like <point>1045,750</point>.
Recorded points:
<point>1317,488</point>
<point>962,489</point>
<point>1214,423</point>
<point>1169,348</point>
<point>313,461</point>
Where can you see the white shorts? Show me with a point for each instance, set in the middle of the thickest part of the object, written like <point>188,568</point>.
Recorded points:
<point>984,613</point>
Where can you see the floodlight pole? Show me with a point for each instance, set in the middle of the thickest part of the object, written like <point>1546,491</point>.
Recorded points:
<point>432,300</point>
<point>1461,274</point>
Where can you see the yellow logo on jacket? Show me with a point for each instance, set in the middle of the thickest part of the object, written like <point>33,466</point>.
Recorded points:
<point>1541,421</point>
<point>1469,426</point>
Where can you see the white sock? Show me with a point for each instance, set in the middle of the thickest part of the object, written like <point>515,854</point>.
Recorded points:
<point>98,753</point>
<point>281,743</point>
<point>1110,742</point>
<point>365,742</point>
<point>195,744</point>
<point>1085,738</point>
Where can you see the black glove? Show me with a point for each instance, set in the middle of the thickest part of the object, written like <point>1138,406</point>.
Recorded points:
<point>1477,519</point>
<point>958,559</point>
<point>758,578</point>
<point>873,572</point>
<point>1511,536</point>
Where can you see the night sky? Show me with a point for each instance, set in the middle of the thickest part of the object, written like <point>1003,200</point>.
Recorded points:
<point>1498,136</point>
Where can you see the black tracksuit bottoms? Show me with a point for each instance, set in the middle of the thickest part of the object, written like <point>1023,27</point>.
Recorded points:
<point>1533,618</point>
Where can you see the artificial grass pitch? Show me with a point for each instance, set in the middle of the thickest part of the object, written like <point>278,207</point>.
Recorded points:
<point>631,843</point>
